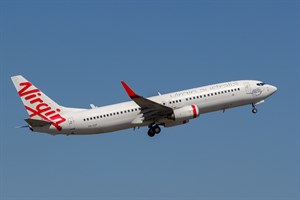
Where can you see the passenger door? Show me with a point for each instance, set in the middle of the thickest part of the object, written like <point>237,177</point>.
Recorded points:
<point>248,88</point>
<point>71,123</point>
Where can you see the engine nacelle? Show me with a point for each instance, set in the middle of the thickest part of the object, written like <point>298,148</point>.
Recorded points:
<point>186,113</point>
<point>182,115</point>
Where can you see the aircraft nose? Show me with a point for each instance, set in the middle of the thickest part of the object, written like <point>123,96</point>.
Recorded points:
<point>272,89</point>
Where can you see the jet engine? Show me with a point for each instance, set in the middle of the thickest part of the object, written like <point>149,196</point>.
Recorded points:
<point>183,115</point>
<point>186,113</point>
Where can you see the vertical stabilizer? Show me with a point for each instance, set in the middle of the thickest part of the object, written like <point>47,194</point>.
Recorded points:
<point>38,105</point>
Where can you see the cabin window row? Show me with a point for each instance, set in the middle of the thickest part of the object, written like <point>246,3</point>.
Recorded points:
<point>213,94</point>
<point>175,101</point>
<point>206,95</point>
<point>111,114</point>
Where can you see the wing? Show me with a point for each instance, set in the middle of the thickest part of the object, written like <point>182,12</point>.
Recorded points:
<point>152,111</point>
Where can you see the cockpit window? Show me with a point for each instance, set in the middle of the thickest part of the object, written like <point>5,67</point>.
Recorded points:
<point>260,84</point>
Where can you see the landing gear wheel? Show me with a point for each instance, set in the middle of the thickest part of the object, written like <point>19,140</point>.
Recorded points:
<point>153,129</point>
<point>254,110</point>
<point>156,129</point>
<point>151,132</point>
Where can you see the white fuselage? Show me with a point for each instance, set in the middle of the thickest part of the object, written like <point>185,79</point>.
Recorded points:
<point>122,115</point>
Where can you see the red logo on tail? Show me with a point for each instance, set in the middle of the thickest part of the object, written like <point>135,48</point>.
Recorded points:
<point>42,109</point>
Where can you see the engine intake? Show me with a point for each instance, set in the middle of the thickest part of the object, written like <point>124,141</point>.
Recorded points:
<point>186,113</point>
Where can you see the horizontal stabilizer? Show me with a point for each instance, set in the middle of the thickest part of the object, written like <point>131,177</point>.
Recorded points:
<point>37,122</point>
<point>26,126</point>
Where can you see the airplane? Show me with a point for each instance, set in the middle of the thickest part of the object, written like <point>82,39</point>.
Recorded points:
<point>167,110</point>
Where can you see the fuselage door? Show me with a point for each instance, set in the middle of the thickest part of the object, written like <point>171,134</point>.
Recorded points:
<point>71,123</point>
<point>248,88</point>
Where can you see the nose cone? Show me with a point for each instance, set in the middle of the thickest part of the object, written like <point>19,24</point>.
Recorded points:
<point>272,89</point>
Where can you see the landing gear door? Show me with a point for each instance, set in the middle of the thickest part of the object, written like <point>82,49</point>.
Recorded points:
<point>71,123</point>
<point>248,88</point>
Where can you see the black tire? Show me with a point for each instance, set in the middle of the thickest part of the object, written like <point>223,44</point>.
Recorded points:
<point>156,129</point>
<point>254,110</point>
<point>151,132</point>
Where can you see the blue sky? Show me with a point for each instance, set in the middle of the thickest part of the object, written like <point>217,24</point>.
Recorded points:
<point>77,52</point>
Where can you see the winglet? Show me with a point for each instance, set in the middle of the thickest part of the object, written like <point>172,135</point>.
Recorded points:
<point>129,91</point>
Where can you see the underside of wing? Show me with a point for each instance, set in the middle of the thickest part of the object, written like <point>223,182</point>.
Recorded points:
<point>151,110</point>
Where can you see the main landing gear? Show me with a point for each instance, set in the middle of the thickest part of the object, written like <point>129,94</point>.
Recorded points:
<point>254,110</point>
<point>153,129</point>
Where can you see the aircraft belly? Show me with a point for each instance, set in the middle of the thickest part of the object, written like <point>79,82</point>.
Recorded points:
<point>115,125</point>
<point>119,123</point>
<point>215,105</point>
